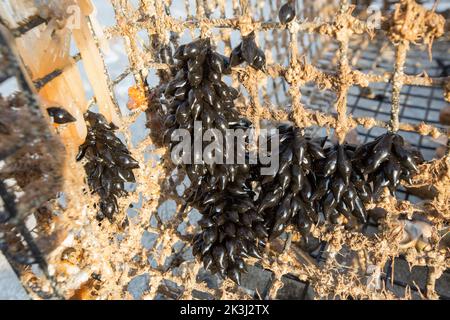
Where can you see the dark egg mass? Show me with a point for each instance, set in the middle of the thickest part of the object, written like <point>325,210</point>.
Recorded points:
<point>316,181</point>
<point>109,164</point>
<point>232,229</point>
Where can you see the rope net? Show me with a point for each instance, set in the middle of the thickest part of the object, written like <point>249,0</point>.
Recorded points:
<point>349,75</point>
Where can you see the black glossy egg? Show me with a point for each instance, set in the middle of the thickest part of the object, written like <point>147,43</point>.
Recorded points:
<point>60,115</point>
<point>287,12</point>
<point>251,53</point>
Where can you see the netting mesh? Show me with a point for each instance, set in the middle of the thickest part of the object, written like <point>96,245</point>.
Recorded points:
<point>339,75</point>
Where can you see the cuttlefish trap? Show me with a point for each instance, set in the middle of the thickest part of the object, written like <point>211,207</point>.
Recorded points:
<point>93,207</point>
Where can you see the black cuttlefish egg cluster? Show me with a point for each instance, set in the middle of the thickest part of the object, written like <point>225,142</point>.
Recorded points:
<point>287,194</point>
<point>316,181</point>
<point>386,161</point>
<point>248,51</point>
<point>232,229</point>
<point>109,164</point>
<point>342,189</point>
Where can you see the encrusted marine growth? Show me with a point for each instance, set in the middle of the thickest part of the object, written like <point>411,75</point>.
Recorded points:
<point>342,190</point>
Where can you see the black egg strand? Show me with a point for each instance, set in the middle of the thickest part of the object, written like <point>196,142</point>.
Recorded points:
<point>109,164</point>
<point>232,230</point>
<point>387,161</point>
<point>249,52</point>
<point>287,195</point>
<point>343,190</point>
